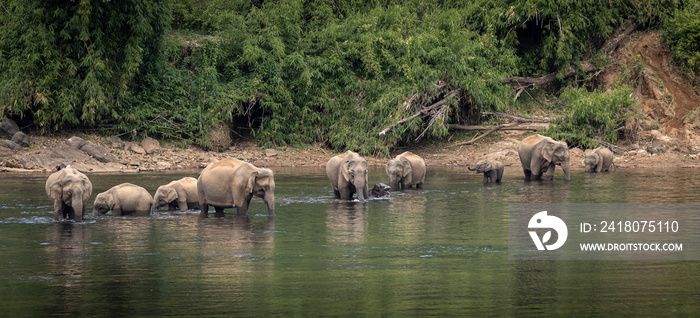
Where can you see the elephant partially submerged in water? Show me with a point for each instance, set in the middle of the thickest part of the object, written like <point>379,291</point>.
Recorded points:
<point>231,183</point>
<point>69,190</point>
<point>598,160</point>
<point>181,194</point>
<point>406,170</point>
<point>123,199</point>
<point>492,170</point>
<point>539,153</point>
<point>347,173</point>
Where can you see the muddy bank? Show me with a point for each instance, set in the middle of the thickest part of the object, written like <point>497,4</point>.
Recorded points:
<point>46,153</point>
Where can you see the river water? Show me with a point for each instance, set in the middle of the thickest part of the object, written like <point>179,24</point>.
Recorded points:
<point>440,251</point>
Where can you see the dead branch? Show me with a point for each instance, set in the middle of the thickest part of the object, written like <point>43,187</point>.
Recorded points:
<point>423,111</point>
<point>521,119</point>
<point>475,139</point>
<point>469,127</point>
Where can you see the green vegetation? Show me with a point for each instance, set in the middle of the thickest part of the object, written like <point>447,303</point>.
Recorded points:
<point>683,36</point>
<point>306,71</point>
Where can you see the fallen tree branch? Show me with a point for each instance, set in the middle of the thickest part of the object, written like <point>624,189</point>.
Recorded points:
<point>423,111</point>
<point>521,119</point>
<point>475,139</point>
<point>469,127</point>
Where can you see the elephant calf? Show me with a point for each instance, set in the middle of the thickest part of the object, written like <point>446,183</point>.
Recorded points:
<point>231,183</point>
<point>123,199</point>
<point>405,170</point>
<point>181,194</point>
<point>492,170</point>
<point>69,190</point>
<point>598,160</point>
<point>347,173</point>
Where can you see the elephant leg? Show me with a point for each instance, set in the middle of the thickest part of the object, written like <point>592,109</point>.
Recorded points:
<point>337,194</point>
<point>345,193</point>
<point>182,205</point>
<point>486,177</point>
<point>219,210</point>
<point>599,167</point>
<point>419,186</point>
<point>58,210</point>
<point>528,174</point>
<point>550,172</point>
<point>243,209</point>
<point>70,213</point>
<point>499,175</point>
<point>204,208</point>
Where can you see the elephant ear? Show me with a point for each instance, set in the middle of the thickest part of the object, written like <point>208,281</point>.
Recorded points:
<point>170,194</point>
<point>251,182</point>
<point>407,168</point>
<point>56,190</point>
<point>548,151</point>
<point>489,166</point>
<point>345,168</point>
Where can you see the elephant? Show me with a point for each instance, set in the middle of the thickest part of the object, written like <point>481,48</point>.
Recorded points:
<point>232,183</point>
<point>347,173</point>
<point>539,154</point>
<point>123,199</point>
<point>69,190</point>
<point>406,170</point>
<point>492,170</point>
<point>181,194</point>
<point>380,190</point>
<point>598,160</point>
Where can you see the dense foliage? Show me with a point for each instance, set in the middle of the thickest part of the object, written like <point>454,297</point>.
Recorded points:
<point>296,71</point>
<point>683,36</point>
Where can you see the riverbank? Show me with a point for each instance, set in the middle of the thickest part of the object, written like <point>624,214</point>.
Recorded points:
<point>131,158</point>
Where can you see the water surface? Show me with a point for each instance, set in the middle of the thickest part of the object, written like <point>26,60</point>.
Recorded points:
<point>440,251</point>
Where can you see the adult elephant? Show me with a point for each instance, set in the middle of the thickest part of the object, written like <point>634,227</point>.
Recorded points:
<point>232,183</point>
<point>406,170</point>
<point>347,173</point>
<point>69,190</point>
<point>123,199</point>
<point>598,160</point>
<point>181,194</point>
<point>539,153</point>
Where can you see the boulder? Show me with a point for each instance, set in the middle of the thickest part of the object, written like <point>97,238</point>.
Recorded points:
<point>10,144</point>
<point>6,151</point>
<point>150,145</point>
<point>135,148</point>
<point>21,139</point>
<point>75,142</point>
<point>270,152</point>
<point>662,143</point>
<point>100,153</point>
<point>8,128</point>
<point>115,142</point>
<point>49,158</point>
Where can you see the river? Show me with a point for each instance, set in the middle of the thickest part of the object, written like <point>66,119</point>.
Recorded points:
<point>440,251</point>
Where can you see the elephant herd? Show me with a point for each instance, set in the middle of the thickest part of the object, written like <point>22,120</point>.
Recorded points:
<point>231,183</point>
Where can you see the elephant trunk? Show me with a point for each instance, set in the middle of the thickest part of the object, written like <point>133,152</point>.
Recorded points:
<point>471,169</point>
<point>77,205</point>
<point>361,189</point>
<point>565,168</point>
<point>270,201</point>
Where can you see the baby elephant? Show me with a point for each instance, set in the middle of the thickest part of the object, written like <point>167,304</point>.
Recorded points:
<point>380,190</point>
<point>123,199</point>
<point>406,170</point>
<point>179,194</point>
<point>598,160</point>
<point>492,170</point>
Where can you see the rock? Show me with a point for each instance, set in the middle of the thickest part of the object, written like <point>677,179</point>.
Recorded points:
<point>10,144</point>
<point>6,151</point>
<point>8,128</point>
<point>663,143</point>
<point>150,145</point>
<point>270,152</point>
<point>100,153</point>
<point>135,148</point>
<point>49,158</point>
<point>220,138</point>
<point>115,142</point>
<point>75,142</point>
<point>21,139</point>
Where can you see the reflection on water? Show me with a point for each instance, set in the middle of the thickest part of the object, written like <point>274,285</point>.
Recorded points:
<point>439,251</point>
